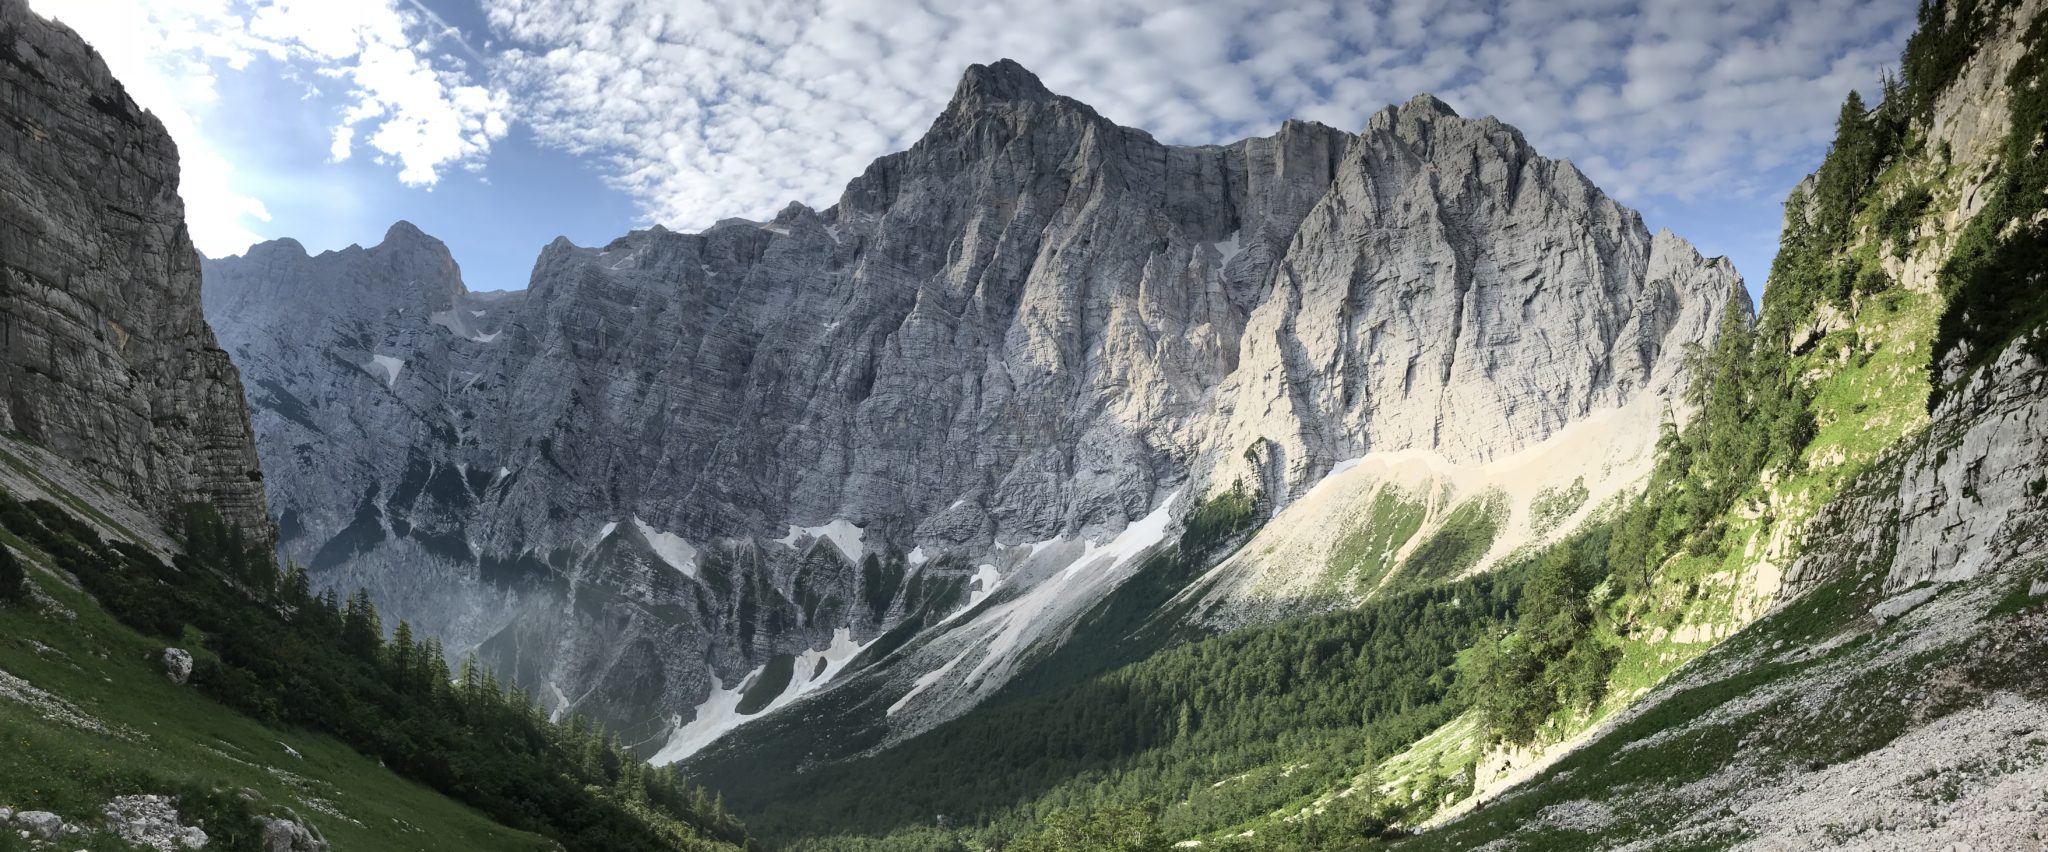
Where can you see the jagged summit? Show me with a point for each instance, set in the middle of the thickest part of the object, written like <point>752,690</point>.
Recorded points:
<point>1001,80</point>
<point>1033,325</point>
<point>280,247</point>
<point>403,231</point>
<point>1425,103</point>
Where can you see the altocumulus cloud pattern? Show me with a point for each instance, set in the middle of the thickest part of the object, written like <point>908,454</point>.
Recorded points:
<point>704,109</point>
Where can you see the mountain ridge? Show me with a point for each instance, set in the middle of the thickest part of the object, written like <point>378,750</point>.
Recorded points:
<point>1121,321</point>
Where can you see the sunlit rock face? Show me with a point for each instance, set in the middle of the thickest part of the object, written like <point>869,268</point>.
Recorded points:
<point>688,471</point>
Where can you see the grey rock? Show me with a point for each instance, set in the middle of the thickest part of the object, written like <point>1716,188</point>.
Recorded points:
<point>41,825</point>
<point>152,821</point>
<point>177,665</point>
<point>1033,324</point>
<point>105,357</point>
<point>283,835</point>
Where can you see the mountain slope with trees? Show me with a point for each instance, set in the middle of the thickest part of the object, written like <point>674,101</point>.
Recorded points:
<point>269,654</point>
<point>1847,529</point>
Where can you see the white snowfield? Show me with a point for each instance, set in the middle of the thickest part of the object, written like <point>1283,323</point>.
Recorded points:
<point>387,367</point>
<point>720,713</point>
<point>1070,575</point>
<point>679,554</point>
<point>844,534</point>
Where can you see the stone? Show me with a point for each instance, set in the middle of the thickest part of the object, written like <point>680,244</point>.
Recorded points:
<point>1033,324</point>
<point>152,821</point>
<point>283,835</point>
<point>41,825</point>
<point>177,665</point>
<point>105,356</point>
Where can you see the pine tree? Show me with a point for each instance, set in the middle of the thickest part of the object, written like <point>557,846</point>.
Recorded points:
<point>13,580</point>
<point>297,587</point>
<point>361,631</point>
<point>403,655</point>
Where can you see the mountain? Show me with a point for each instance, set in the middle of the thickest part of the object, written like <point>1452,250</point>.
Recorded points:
<point>105,356</point>
<point>686,477</point>
<point>1054,489</point>
<point>162,684</point>
<point>1815,623</point>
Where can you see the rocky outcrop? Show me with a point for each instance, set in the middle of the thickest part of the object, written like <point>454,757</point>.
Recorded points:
<point>152,822</point>
<point>284,835</point>
<point>105,357</point>
<point>678,458</point>
<point>39,825</point>
<point>178,665</point>
<point>1975,496</point>
<point>1968,496</point>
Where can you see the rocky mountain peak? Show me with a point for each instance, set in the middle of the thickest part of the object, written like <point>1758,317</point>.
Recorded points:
<point>1032,326</point>
<point>1413,119</point>
<point>403,232</point>
<point>1003,80</point>
<point>1425,105</point>
<point>270,251</point>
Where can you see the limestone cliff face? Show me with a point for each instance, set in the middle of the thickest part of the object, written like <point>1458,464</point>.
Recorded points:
<point>105,357</point>
<point>678,457</point>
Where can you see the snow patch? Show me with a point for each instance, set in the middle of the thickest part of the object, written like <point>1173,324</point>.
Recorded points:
<point>679,554</point>
<point>1134,540</point>
<point>835,657</point>
<point>844,534</point>
<point>986,578</point>
<point>561,702</point>
<point>450,320</point>
<point>387,366</point>
<point>718,714</point>
<point>1021,620</point>
<point>1229,248</point>
<point>604,532</point>
<point>924,682</point>
<point>918,556</point>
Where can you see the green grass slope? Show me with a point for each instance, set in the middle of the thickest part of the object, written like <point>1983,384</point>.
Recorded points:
<point>296,706</point>
<point>113,724</point>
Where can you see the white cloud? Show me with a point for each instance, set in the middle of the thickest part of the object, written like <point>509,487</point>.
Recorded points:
<point>414,109</point>
<point>713,108</point>
<point>703,109</point>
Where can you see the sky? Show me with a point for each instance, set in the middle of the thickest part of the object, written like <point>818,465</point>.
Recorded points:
<point>498,125</point>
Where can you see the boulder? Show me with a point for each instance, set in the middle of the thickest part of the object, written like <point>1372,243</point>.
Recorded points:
<point>41,825</point>
<point>283,835</point>
<point>177,665</point>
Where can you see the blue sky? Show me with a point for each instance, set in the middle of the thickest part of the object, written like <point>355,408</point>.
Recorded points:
<point>500,124</point>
